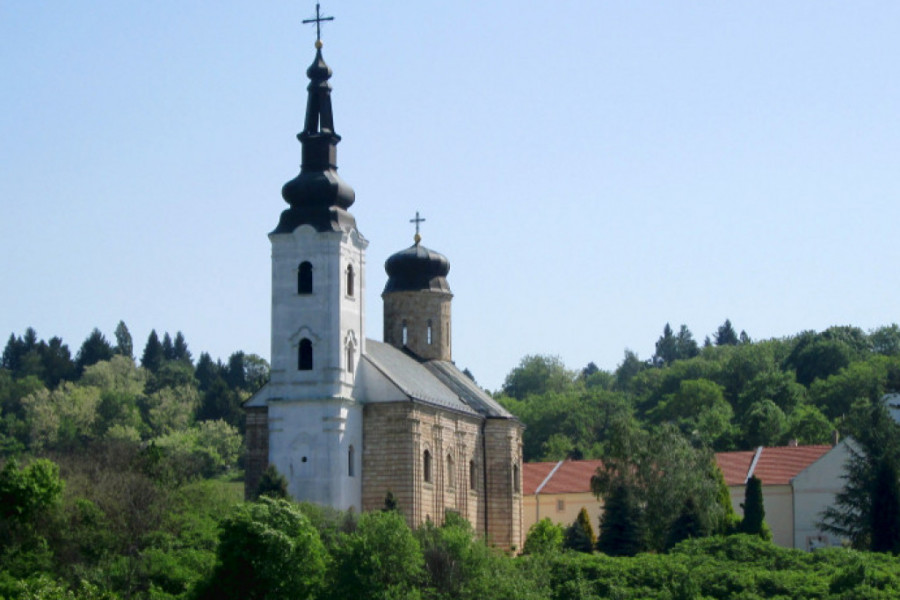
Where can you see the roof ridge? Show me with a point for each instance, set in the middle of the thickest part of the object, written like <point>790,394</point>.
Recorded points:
<point>548,477</point>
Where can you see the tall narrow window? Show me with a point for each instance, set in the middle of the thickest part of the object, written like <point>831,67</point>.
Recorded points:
<point>349,280</point>
<point>516,485</point>
<point>350,460</point>
<point>405,334</point>
<point>305,360</point>
<point>473,475</point>
<point>350,358</point>
<point>304,278</point>
<point>451,472</point>
<point>426,466</point>
<point>428,333</point>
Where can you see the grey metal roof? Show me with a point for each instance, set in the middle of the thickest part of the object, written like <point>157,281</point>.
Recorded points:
<point>413,378</point>
<point>467,390</point>
<point>435,382</point>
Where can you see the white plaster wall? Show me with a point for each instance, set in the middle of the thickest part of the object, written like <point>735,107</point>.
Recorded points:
<point>312,414</point>
<point>373,386</point>
<point>814,490</point>
<point>329,317</point>
<point>321,432</point>
<point>778,504</point>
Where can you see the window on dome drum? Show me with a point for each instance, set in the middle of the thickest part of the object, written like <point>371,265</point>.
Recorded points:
<point>350,280</point>
<point>304,278</point>
<point>473,475</point>
<point>516,485</point>
<point>426,466</point>
<point>305,359</point>
<point>405,334</point>
<point>428,333</point>
<point>350,459</point>
<point>451,472</point>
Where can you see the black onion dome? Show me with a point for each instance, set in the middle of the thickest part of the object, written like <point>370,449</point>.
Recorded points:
<point>417,269</point>
<point>318,196</point>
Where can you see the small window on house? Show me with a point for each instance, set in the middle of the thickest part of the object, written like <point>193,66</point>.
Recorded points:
<point>426,466</point>
<point>428,333</point>
<point>473,475</point>
<point>305,360</point>
<point>560,505</point>
<point>451,472</point>
<point>304,278</point>
<point>349,280</point>
<point>350,459</point>
<point>516,486</point>
<point>405,333</point>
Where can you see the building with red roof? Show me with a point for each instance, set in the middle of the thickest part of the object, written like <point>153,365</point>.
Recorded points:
<point>798,483</point>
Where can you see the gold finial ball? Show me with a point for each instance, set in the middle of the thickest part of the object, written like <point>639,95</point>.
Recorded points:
<point>418,238</point>
<point>318,44</point>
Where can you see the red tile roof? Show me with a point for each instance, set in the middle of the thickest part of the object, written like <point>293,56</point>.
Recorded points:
<point>776,466</point>
<point>735,465</point>
<point>572,476</point>
<point>533,474</point>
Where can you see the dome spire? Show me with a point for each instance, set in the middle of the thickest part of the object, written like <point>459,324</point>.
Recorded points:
<point>318,196</point>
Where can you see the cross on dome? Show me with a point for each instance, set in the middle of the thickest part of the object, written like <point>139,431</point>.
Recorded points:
<point>318,21</point>
<point>417,220</point>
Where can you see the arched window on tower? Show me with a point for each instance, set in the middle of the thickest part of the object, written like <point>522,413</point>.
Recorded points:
<point>517,486</point>
<point>405,333</point>
<point>451,472</point>
<point>305,278</point>
<point>350,280</point>
<point>428,333</point>
<point>473,476</point>
<point>426,466</point>
<point>350,355</point>
<point>350,461</point>
<point>305,358</point>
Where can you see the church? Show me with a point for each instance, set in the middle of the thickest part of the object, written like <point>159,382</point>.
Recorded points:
<point>348,419</point>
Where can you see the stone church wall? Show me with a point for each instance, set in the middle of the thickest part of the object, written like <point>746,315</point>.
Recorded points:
<point>257,440</point>
<point>395,438</point>
<point>417,309</point>
<point>503,442</point>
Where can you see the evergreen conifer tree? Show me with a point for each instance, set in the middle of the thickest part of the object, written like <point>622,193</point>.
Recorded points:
<point>621,532</point>
<point>180,350</point>
<point>168,347</point>
<point>726,335</point>
<point>153,355</point>
<point>689,524</point>
<point>94,349</point>
<point>272,484</point>
<point>207,371</point>
<point>580,535</point>
<point>754,512</point>
<point>124,343</point>
<point>390,503</point>
<point>885,515</point>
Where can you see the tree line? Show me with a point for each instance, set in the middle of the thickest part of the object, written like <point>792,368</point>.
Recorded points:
<point>730,393</point>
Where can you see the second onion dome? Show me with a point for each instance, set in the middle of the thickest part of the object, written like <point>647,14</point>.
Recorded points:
<point>417,268</point>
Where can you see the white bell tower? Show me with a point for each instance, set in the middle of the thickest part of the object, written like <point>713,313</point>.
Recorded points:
<point>318,319</point>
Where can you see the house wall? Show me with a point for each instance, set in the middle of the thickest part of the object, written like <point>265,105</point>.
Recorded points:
<point>537,507</point>
<point>814,490</point>
<point>778,503</point>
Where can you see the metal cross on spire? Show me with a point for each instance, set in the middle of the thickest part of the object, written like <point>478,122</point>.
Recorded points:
<point>318,21</point>
<point>417,220</point>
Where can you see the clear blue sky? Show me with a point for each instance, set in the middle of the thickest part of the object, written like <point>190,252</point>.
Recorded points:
<point>592,169</point>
